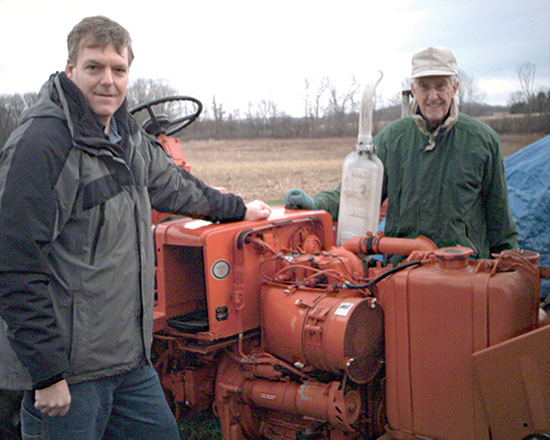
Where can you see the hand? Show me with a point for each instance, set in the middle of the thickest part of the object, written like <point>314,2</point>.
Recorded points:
<point>257,210</point>
<point>54,400</point>
<point>298,199</point>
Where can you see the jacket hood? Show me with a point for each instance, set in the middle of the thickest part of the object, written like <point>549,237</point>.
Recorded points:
<point>60,98</point>
<point>447,124</point>
<point>47,103</point>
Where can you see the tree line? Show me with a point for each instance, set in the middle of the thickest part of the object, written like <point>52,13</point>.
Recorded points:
<point>329,111</point>
<point>527,99</point>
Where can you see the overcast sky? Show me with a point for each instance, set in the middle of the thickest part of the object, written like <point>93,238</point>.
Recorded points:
<point>246,51</point>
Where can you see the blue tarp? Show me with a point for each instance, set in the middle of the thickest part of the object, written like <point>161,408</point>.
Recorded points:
<point>528,174</point>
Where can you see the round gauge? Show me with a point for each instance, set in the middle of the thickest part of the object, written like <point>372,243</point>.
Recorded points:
<point>221,269</point>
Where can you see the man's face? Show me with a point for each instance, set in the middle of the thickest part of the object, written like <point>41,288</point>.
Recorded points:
<point>434,95</point>
<point>101,73</point>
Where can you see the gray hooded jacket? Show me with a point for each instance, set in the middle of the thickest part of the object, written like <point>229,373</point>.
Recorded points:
<point>76,251</point>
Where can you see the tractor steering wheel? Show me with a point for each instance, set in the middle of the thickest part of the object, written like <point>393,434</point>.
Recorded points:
<point>158,123</point>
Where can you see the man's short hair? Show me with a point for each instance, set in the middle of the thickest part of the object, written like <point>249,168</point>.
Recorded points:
<point>98,31</point>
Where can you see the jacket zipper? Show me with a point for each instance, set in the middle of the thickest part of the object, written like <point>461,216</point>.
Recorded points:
<point>100,223</point>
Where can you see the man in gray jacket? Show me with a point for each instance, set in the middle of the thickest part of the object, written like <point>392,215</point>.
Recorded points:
<point>78,180</point>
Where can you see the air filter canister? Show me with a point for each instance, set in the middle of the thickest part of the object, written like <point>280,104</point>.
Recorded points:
<point>331,333</point>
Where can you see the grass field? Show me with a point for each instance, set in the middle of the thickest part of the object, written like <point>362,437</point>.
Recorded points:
<point>266,169</point>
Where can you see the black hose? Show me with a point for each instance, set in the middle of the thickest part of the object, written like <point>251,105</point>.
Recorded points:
<point>379,278</point>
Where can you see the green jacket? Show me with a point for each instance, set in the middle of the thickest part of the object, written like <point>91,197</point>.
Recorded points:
<point>449,186</point>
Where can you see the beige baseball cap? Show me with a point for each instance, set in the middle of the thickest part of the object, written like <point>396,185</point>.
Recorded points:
<point>434,61</point>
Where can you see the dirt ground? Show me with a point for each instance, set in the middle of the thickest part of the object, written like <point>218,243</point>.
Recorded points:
<point>266,169</point>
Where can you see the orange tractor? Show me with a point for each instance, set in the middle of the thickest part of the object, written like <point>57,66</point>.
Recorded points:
<point>288,336</point>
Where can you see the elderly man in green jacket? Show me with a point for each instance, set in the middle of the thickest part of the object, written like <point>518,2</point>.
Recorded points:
<point>443,171</point>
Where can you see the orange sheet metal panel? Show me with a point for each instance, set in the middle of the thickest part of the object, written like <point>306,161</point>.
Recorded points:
<point>210,266</point>
<point>436,316</point>
<point>514,381</point>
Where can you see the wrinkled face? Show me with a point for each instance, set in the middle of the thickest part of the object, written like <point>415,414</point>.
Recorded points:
<point>434,95</point>
<point>101,73</point>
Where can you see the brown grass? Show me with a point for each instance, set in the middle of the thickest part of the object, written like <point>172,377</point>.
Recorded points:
<point>266,169</point>
<point>515,142</point>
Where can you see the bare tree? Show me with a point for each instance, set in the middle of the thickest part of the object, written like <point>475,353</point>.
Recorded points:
<point>254,124</point>
<point>312,104</point>
<point>11,110</point>
<point>217,110</point>
<point>390,111</point>
<point>469,94</point>
<point>516,99</point>
<point>261,119</point>
<point>272,110</point>
<point>526,76</point>
<point>143,90</point>
<point>340,105</point>
<point>218,114</point>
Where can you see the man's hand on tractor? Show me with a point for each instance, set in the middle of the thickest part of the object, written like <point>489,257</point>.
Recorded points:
<point>257,210</point>
<point>298,199</point>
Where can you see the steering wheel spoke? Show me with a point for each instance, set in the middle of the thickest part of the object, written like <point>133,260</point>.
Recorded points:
<point>158,124</point>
